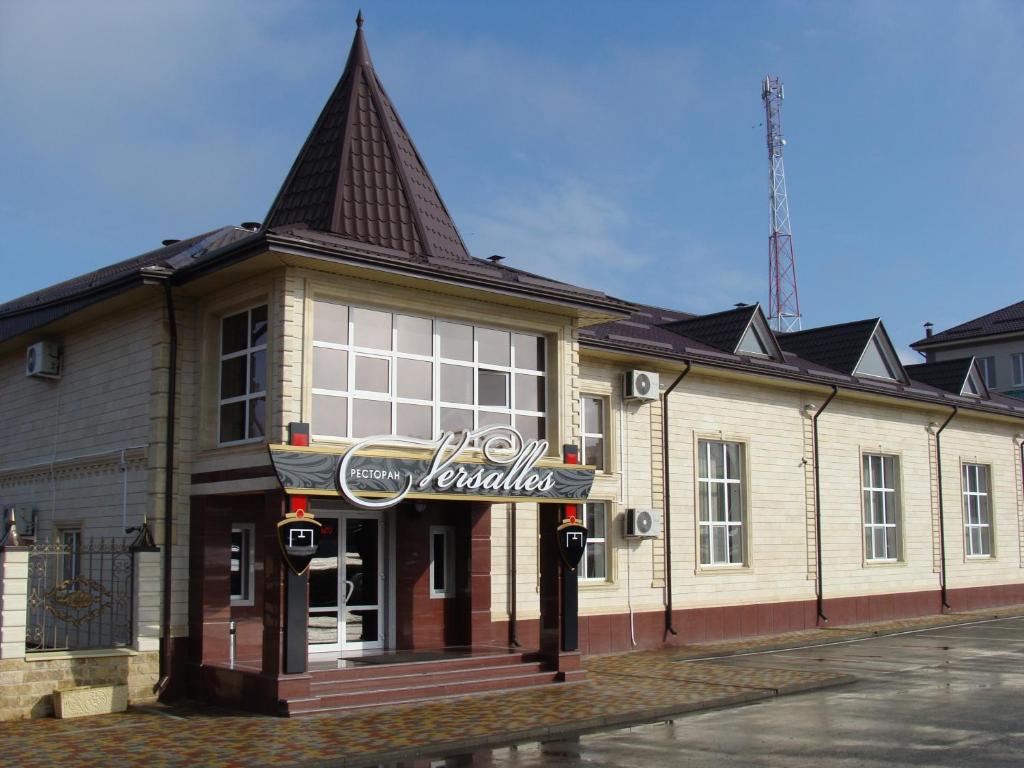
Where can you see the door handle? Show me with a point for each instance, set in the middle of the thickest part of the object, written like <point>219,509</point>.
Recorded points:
<point>350,587</point>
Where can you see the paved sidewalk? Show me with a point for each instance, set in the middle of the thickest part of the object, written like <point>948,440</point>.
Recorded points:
<point>621,689</point>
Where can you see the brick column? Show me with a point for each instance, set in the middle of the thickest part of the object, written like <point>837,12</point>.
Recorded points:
<point>148,596</point>
<point>13,601</point>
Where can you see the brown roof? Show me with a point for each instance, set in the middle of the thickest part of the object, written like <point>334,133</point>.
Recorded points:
<point>1006,320</point>
<point>359,175</point>
<point>646,333</point>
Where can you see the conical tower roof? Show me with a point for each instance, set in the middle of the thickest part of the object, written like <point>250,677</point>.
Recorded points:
<point>359,175</point>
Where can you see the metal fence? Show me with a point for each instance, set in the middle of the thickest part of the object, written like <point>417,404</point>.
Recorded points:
<point>80,594</point>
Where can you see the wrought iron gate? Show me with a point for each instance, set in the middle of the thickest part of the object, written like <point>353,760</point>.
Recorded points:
<point>80,595</point>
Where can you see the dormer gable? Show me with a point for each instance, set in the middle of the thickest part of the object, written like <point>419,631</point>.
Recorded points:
<point>740,331</point>
<point>879,359</point>
<point>959,376</point>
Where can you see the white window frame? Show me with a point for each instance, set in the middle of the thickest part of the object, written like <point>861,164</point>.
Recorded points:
<point>972,497</point>
<point>586,431</point>
<point>447,532</point>
<point>247,562</point>
<point>248,396</point>
<point>987,366</point>
<point>889,488</point>
<point>707,528</point>
<point>74,554</point>
<point>1017,363</point>
<point>588,510</point>
<point>350,394</point>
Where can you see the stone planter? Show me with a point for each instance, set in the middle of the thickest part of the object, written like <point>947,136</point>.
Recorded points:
<point>90,700</point>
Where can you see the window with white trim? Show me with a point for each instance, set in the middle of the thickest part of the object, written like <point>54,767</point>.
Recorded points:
<point>592,431</point>
<point>70,538</point>
<point>242,399</point>
<point>384,373</point>
<point>721,492</point>
<point>1017,363</point>
<point>442,561</point>
<point>987,366</point>
<point>977,510</point>
<point>881,508</point>
<point>242,563</point>
<point>594,564</point>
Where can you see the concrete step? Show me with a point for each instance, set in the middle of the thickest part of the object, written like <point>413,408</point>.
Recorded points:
<point>469,661</point>
<point>424,676</point>
<point>432,690</point>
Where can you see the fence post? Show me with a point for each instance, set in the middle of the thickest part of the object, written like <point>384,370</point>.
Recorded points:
<point>13,601</point>
<point>147,600</point>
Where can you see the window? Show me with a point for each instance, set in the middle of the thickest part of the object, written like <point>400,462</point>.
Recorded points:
<point>383,373</point>
<point>242,539</point>
<point>592,432</point>
<point>878,360</point>
<point>752,343</point>
<point>881,508</point>
<point>987,366</point>
<point>720,468</point>
<point>243,376</point>
<point>1017,361</point>
<point>977,511</point>
<point>71,556</point>
<point>594,564</point>
<point>442,561</point>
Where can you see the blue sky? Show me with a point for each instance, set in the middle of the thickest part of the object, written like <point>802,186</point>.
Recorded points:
<point>615,145</point>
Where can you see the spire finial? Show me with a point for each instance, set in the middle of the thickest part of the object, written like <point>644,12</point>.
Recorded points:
<point>359,19</point>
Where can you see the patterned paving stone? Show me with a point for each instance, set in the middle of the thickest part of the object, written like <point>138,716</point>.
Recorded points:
<point>620,688</point>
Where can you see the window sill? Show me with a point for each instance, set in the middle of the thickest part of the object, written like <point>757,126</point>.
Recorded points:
<point>979,558</point>
<point>724,568</point>
<point>884,563</point>
<point>596,584</point>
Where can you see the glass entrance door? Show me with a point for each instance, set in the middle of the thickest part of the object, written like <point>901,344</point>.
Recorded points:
<point>346,583</point>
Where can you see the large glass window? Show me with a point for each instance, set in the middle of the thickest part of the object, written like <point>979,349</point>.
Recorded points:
<point>977,510</point>
<point>722,517</point>
<point>383,373</point>
<point>881,508</point>
<point>593,432</point>
<point>594,564</point>
<point>1017,361</point>
<point>243,376</point>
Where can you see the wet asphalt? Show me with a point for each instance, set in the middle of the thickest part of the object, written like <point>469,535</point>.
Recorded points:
<point>939,697</point>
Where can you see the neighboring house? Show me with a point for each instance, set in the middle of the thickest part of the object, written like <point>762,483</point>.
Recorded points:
<point>995,340</point>
<point>734,482</point>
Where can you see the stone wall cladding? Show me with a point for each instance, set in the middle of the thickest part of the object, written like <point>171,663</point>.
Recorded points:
<point>28,685</point>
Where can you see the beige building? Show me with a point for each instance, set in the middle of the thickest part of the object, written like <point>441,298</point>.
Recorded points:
<point>347,371</point>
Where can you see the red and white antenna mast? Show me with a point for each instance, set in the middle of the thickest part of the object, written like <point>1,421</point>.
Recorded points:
<point>783,302</point>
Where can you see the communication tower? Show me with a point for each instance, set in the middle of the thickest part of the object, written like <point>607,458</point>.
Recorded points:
<point>783,302</point>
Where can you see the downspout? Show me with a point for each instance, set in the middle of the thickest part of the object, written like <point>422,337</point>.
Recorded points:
<point>513,631</point>
<point>172,384</point>
<point>666,493</point>
<point>819,586</point>
<point>942,513</point>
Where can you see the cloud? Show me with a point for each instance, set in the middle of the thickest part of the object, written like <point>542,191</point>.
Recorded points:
<point>571,231</point>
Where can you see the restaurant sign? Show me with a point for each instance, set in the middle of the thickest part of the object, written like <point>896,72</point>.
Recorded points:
<point>492,463</point>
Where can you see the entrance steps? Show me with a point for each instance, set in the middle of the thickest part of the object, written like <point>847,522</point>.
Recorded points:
<point>375,684</point>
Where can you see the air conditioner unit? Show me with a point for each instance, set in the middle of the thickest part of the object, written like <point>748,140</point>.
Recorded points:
<point>640,385</point>
<point>42,360</point>
<point>643,523</point>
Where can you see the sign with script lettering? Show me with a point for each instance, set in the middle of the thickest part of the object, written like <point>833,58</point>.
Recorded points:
<point>492,463</point>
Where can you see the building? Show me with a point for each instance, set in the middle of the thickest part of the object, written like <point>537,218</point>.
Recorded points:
<point>995,340</point>
<point>732,481</point>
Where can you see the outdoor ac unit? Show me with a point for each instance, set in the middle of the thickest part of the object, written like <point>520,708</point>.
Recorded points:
<point>42,360</point>
<point>640,385</point>
<point>643,523</point>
